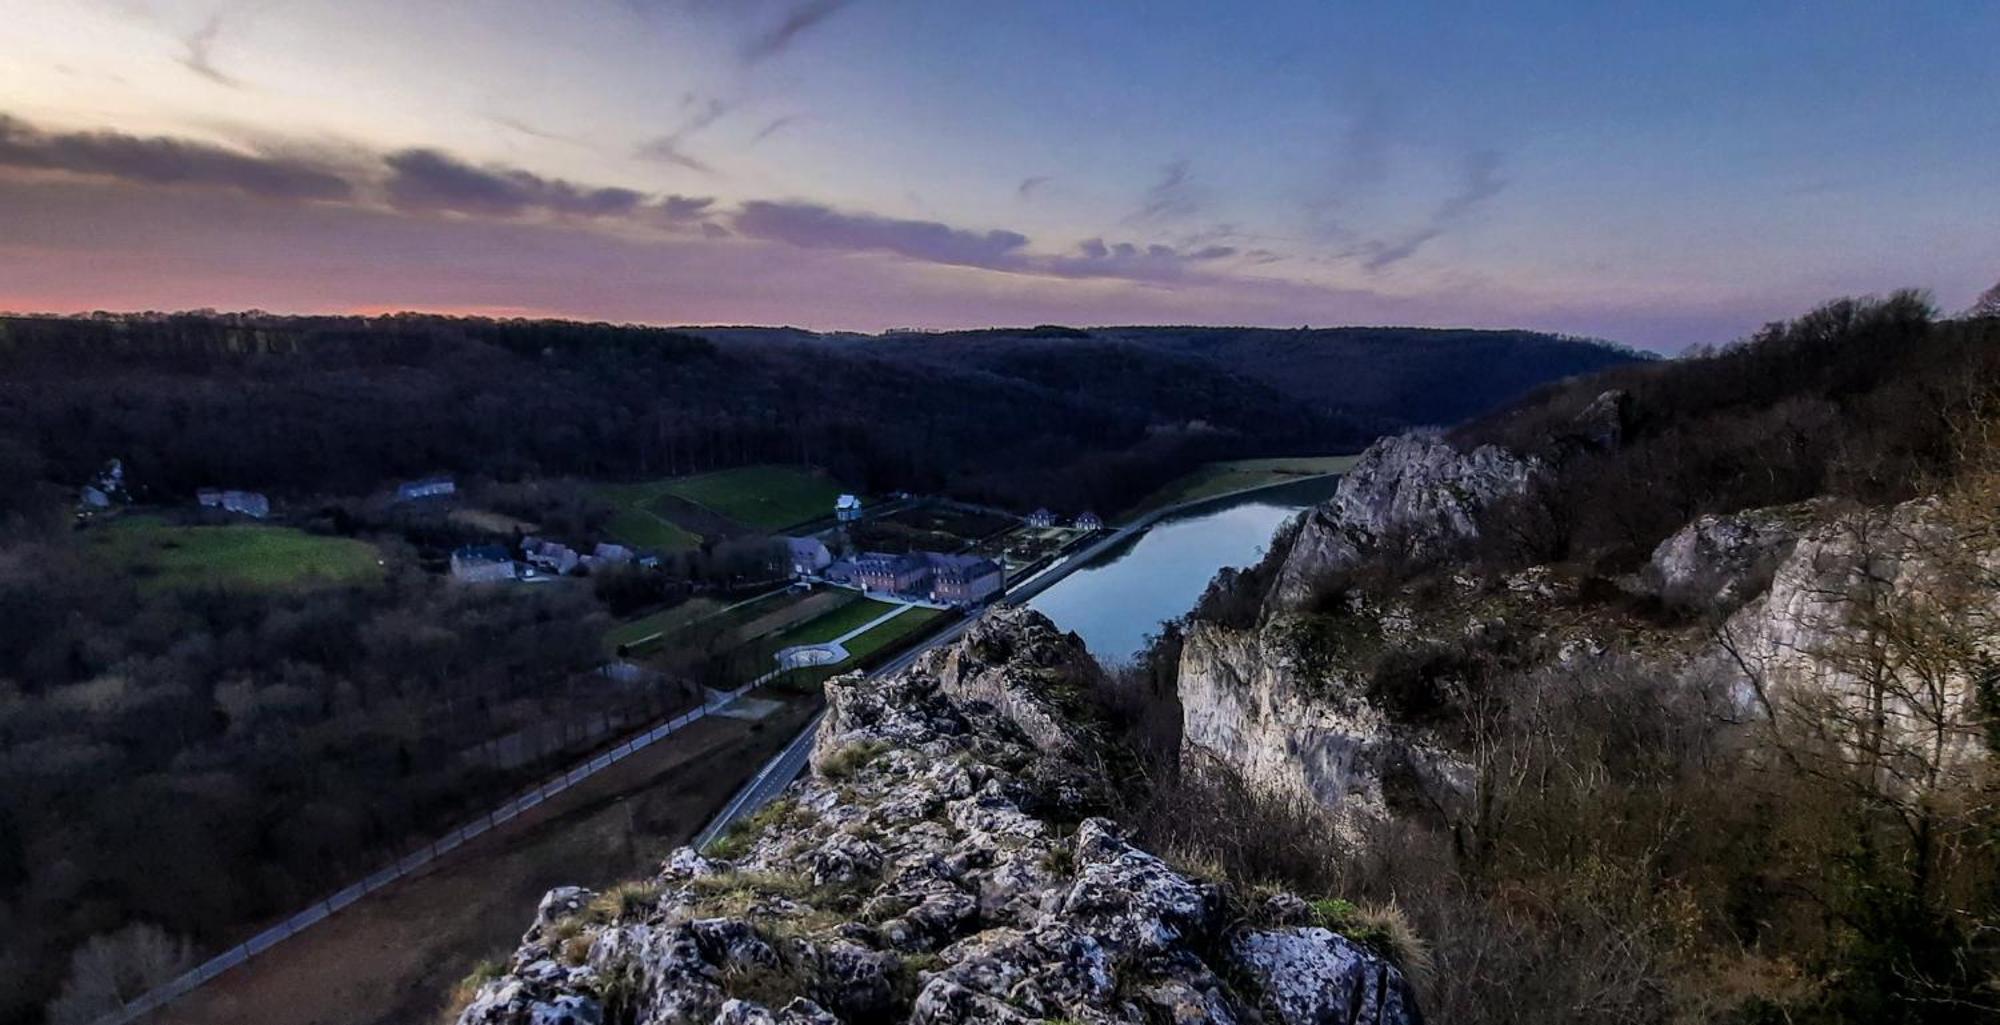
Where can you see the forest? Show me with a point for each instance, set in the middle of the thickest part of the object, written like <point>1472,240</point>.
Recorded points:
<point>180,764</point>
<point>338,406</point>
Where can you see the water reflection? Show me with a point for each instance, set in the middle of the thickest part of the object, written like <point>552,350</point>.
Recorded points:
<point>1125,595</point>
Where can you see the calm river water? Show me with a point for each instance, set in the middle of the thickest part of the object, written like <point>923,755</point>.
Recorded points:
<point>1128,591</point>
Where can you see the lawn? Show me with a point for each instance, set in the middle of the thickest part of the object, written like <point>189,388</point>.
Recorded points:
<point>831,625</point>
<point>635,523</point>
<point>768,498</point>
<point>243,556</point>
<point>1213,479</point>
<point>746,616</point>
<point>908,624</point>
<point>891,635</point>
<point>663,622</point>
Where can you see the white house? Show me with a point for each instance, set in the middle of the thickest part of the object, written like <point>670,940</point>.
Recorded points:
<point>553,556</point>
<point>808,555</point>
<point>246,503</point>
<point>847,508</point>
<point>1041,518</point>
<point>1089,521</point>
<point>429,487</point>
<point>479,564</point>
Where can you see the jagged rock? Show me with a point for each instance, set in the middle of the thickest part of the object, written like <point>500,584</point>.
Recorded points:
<point>1602,423</point>
<point>1311,976</point>
<point>934,868</point>
<point>1414,488</point>
<point>1717,563</point>
<point>1804,637</point>
<point>1130,899</point>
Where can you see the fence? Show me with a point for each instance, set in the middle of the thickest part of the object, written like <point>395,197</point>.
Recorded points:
<point>406,865</point>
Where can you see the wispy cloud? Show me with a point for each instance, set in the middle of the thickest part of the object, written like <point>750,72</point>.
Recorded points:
<point>199,58</point>
<point>679,209</point>
<point>775,126</point>
<point>431,181</point>
<point>797,20</point>
<point>518,125</point>
<point>163,161</point>
<point>1029,186</point>
<point>1480,182</point>
<point>671,148</point>
<point>428,181</point>
<point>1174,196</point>
<point>814,226</point>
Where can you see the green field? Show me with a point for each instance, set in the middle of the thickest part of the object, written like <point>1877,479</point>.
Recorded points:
<point>635,523</point>
<point>831,625</point>
<point>664,622</point>
<point>242,556</point>
<point>766,498</point>
<point>895,630</point>
<point>1214,479</point>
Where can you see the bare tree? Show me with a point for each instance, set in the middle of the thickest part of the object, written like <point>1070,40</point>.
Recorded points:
<point>1987,305</point>
<point>1879,691</point>
<point>111,969</point>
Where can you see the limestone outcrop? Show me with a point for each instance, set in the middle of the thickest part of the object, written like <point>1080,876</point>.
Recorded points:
<point>945,862</point>
<point>1414,490</point>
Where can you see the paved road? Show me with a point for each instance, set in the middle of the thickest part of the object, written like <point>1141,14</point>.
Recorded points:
<point>786,767</point>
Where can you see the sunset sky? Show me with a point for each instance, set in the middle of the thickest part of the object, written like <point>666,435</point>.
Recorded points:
<point>1659,177</point>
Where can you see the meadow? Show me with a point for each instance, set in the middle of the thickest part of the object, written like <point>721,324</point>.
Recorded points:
<point>1221,478</point>
<point>239,555</point>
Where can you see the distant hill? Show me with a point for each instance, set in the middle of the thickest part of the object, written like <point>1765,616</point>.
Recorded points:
<point>1066,417</point>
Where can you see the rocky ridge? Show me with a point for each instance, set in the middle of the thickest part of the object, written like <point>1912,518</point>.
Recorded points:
<point>1411,489</point>
<point>945,862</point>
<point>1769,602</point>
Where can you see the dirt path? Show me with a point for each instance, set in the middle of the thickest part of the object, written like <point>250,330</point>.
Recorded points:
<point>393,958</point>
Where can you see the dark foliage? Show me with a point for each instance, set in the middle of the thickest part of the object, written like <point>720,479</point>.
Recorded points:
<point>1039,417</point>
<point>1855,399</point>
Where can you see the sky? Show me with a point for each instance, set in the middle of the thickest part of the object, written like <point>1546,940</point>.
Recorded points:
<point>1657,174</point>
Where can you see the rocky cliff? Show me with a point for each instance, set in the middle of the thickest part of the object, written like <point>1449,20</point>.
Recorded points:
<point>1816,602</point>
<point>945,861</point>
<point>1294,717</point>
<point>1413,490</point>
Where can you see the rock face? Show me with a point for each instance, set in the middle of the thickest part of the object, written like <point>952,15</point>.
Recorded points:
<point>1414,489</point>
<point>1775,606</point>
<point>1246,704</point>
<point>1717,563</point>
<point>1868,603</point>
<point>942,864</point>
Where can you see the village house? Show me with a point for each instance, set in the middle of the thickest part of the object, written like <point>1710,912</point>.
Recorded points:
<point>1089,521</point>
<point>1041,518</point>
<point>807,555</point>
<point>246,503</point>
<point>105,488</point>
<point>891,574</point>
<point>847,508</point>
<point>429,487</point>
<point>951,579</point>
<point>552,556</point>
<point>964,579</point>
<point>479,564</point>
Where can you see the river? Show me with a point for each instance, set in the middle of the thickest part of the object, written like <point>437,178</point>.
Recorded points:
<point>1125,593</point>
